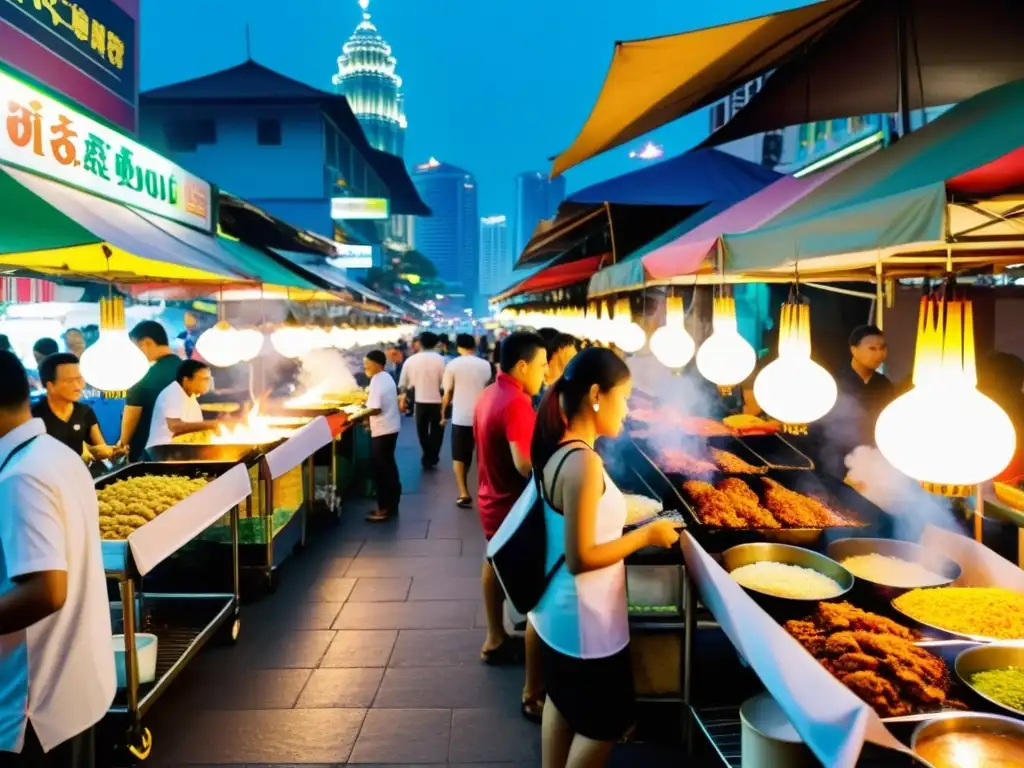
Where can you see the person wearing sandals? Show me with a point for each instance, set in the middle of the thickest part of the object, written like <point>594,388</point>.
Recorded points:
<point>385,424</point>
<point>465,378</point>
<point>502,429</point>
<point>582,618</point>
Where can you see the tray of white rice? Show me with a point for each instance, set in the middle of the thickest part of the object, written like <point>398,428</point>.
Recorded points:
<point>783,579</point>
<point>886,568</point>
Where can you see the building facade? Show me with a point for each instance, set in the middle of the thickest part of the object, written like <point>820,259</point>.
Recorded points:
<point>495,257</point>
<point>450,237</point>
<point>537,197</point>
<point>279,143</point>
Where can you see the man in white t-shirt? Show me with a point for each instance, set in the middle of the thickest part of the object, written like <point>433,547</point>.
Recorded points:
<point>57,676</point>
<point>177,410</point>
<point>423,373</point>
<point>465,378</point>
<point>385,423</point>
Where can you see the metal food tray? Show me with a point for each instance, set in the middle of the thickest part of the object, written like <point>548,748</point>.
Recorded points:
<point>117,556</point>
<point>776,452</point>
<point>838,495</point>
<point>698,447</point>
<point>234,453</point>
<point>278,408</point>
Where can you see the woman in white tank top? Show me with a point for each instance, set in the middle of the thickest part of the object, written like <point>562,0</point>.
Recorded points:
<point>582,619</point>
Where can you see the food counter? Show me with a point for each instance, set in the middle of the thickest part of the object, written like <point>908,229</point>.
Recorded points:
<point>280,468</point>
<point>150,513</point>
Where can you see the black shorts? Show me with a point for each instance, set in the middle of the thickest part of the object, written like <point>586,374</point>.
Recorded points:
<point>595,696</point>
<point>463,444</point>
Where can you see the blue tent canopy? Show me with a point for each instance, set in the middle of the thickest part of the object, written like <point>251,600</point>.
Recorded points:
<point>692,178</point>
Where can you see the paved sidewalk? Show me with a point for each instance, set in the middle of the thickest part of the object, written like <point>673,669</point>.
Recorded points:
<point>367,654</point>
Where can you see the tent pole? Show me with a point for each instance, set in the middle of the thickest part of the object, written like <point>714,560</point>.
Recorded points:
<point>903,65</point>
<point>611,231</point>
<point>879,295</point>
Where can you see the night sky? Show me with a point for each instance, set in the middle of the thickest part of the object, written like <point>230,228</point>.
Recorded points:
<point>493,86</point>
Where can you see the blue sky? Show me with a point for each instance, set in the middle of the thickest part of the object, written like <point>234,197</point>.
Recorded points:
<point>494,86</point>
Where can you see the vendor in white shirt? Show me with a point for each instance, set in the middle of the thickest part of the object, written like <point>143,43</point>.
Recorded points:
<point>57,675</point>
<point>177,410</point>
<point>385,423</point>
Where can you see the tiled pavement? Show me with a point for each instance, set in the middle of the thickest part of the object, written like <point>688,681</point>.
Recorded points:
<point>367,654</point>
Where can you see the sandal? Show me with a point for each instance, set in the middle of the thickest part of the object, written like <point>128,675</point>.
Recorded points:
<point>464,502</point>
<point>378,516</point>
<point>508,653</point>
<point>533,708</point>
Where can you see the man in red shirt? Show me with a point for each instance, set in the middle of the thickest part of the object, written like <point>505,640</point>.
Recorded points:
<point>503,428</point>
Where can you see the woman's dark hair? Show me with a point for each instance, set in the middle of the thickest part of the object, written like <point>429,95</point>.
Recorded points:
<point>563,400</point>
<point>188,369</point>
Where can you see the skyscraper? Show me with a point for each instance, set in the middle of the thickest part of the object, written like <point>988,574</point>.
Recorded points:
<point>451,237</point>
<point>366,76</point>
<point>537,197</point>
<point>495,259</point>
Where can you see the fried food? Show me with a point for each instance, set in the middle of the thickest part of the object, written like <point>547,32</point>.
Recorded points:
<point>794,510</point>
<point>677,461</point>
<point>746,504</point>
<point>839,617</point>
<point>127,505</point>
<point>713,506</point>
<point>733,464</point>
<point>877,659</point>
<point>746,424</point>
<point>695,425</point>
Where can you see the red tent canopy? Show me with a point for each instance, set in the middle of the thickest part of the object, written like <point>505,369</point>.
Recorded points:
<point>998,177</point>
<point>560,275</point>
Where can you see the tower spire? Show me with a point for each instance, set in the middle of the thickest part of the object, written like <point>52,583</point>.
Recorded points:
<point>365,5</point>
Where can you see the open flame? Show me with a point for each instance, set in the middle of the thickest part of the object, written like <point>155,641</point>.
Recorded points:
<point>313,396</point>
<point>256,429</point>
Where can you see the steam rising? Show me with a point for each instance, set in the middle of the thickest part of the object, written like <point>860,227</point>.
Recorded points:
<point>911,506</point>
<point>326,370</point>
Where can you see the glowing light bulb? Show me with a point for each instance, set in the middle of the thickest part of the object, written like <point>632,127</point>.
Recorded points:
<point>250,343</point>
<point>671,344</point>
<point>291,341</point>
<point>113,363</point>
<point>219,345</point>
<point>944,433</point>
<point>725,358</point>
<point>793,388</point>
<point>624,333</point>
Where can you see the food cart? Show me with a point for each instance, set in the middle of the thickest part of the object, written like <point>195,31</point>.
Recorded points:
<point>182,622</point>
<point>279,463</point>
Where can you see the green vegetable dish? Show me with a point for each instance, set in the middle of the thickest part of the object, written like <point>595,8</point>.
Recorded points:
<point>1005,686</point>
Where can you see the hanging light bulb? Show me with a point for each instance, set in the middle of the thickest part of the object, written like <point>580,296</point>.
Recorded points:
<point>219,345</point>
<point>793,388</point>
<point>291,340</point>
<point>250,343</point>
<point>627,335</point>
<point>944,433</point>
<point>671,344</point>
<point>113,363</point>
<point>342,338</point>
<point>725,358</point>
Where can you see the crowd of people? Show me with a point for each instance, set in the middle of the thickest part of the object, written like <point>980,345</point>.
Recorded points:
<point>535,411</point>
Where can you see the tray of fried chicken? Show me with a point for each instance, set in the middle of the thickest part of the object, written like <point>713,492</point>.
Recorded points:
<point>900,674</point>
<point>694,458</point>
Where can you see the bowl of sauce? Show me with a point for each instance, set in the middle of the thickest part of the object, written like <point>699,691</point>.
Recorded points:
<point>970,740</point>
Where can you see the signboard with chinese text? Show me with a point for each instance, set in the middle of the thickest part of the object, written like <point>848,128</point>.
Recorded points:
<point>364,208</point>
<point>41,135</point>
<point>84,49</point>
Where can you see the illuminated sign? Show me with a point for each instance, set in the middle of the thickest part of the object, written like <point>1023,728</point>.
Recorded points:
<point>360,208</point>
<point>86,49</point>
<point>352,256</point>
<point>42,135</point>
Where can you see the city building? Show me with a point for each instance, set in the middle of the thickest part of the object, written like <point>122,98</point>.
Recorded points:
<point>294,150</point>
<point>537,198</point>
<point>495,257</point>
<point>450,238</point>
<point>368,79</point>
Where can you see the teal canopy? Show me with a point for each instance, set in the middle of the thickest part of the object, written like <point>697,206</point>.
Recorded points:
<point>895,199</point>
